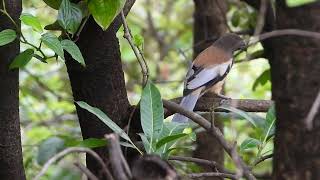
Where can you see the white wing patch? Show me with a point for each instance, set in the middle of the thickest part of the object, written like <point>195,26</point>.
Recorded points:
<point>208,74</point>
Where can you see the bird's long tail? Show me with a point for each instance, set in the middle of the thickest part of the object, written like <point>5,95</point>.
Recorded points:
<point>188,102</point>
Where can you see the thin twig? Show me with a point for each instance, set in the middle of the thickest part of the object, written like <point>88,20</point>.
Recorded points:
<point>263,158</point>
<point>211,174</point>
<point>86,171</point>
<point>137,51</point>
<point>68,151</point>
<point>313,112</point>
<point>212,164</point>
<point>285,32</point>
<point>215,132</point>
<point>261,17</point>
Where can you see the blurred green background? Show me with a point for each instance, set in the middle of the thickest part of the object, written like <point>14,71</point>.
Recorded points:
<point>46,103</point>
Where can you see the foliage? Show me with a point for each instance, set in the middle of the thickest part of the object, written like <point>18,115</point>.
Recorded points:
<point>46,105</point>
<point>157,137</point>
<point>7,36</point>
<point>295,3</point>
<point>104,11</point>
<point>264,131</point>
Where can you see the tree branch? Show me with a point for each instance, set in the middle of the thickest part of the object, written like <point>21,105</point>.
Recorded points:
<point>120,168</point>
<point>285,32</point>
<point>207,104</point>
<point>212,174</point>
<point>261,17</point>
<point>215,132</point>
<point>137,51</point>
<point>86,171</point>
<point>212,164</point>
<point>263,158</point>
<point>68,151</point>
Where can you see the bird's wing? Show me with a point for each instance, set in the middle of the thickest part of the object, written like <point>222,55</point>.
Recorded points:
<point>200,76</point>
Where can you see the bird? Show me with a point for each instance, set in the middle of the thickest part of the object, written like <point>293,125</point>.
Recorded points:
<point>208,71</point>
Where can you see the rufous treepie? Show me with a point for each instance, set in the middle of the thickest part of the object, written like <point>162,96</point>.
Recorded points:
<point>208,71</point>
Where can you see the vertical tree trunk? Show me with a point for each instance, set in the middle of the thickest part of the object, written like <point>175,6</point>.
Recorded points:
<point>101,83</point>
<point>11,164</point>
<point>295,70</point>
<point>209,22</point>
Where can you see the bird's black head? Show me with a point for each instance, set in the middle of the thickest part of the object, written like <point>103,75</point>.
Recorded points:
<point>230,42</point>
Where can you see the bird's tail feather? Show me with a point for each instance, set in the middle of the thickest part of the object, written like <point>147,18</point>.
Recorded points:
<point>188,102</point>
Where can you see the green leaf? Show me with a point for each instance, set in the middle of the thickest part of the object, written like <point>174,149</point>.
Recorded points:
<point>167,153</point>
<point>169,139</point>
<point>146,144</point>
<point>262,79</point>
<point>73,50</point>
<point>49,148</point>
<point>151,110</point>
<point>104,11</point>
<point>69,16</point>
<point>125,144</point>
<point>138,40</point>
<point>22,59</point>
<point>269,127</point>
<point>239,112</point>
<point>55,4</point>
<point>53,43</point>
<point>295,3</point>
<point>30,20</point>
<point>249,143</point>
<point>235,19</point>
<point>169,129</point>
<point>105,119</point>
<point>7,36</point>
<point>54,27</point>
<point>84,8</point>
<point>88,143</point>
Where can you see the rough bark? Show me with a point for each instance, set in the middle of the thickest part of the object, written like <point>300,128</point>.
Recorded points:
<point>209,21</point>
<point>295,72</point>
<point>10,139</point>
<point>101,83</point>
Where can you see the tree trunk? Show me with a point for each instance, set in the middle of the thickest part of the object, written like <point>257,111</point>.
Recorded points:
<point>209,23</point>
<point>295,71</point>
<point>10,139</point>
<point>101,83</point>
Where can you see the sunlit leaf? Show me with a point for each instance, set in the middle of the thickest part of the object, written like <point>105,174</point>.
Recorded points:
<point>69,16</point>
<point>262,79</point>
<point>138,40</point>
<point>249,143</point>
<point>151,110</point>
<point>7,36</point>
<point>295,3</point>
<point>104,11</point>
<point>49,148</point>
<point>88,143</point>
<point>30,20</point>
<point>22,59</point>
<point>53,43</point>
<point>73,50</point>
